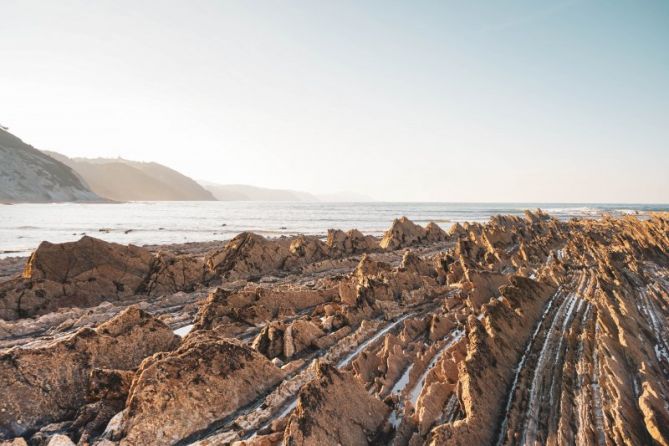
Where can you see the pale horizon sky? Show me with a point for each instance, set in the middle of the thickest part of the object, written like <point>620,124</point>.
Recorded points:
<point>518,101</point>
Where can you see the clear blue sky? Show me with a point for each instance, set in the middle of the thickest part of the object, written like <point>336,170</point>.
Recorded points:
<point>439,100</point>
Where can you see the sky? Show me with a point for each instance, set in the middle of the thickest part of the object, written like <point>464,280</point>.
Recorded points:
<point>488,101</point>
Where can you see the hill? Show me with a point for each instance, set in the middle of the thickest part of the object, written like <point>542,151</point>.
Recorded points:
<point>124,180</point>
<point>241,192</point>
<point>29,175</point>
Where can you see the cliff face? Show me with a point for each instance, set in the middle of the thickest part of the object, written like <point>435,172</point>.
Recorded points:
<point>125,180</point>
<point>28,175</point>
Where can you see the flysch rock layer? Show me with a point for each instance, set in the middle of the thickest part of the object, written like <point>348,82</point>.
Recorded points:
<point>334,409</point>
<point>88,272</point>
<point>179,393</point>
<point>50,383</point>
<point>524,330</point>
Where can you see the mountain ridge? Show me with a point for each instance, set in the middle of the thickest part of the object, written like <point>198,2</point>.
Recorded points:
<point>31,175</point>
<point>245,192</point>
<point>126,180</point>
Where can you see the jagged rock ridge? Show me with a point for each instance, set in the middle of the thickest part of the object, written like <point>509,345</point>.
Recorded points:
<point>519,331</point>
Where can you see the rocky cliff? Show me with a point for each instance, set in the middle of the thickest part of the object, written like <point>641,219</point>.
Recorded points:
<point>28,175</point>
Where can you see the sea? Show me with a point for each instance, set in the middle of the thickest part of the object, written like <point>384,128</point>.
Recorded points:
<point>24,226</point>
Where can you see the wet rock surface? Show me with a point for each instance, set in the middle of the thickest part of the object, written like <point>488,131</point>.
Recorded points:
<point>523,330</point>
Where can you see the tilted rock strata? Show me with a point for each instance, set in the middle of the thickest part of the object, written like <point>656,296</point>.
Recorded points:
<point>177,394</point>
<point>250,255</point>
<point>90,271</point>
<point>50,383</point>
<point>107,392</point>
<point>488,369</point>
<point>334,408</point>
<point>523,330</point>
<point>74,274</point>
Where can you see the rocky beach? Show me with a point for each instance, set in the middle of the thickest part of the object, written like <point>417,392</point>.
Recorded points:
<point>521,330</point>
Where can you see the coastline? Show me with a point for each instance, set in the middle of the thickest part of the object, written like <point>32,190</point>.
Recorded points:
<point>386,328</point>
<point>23,227</point>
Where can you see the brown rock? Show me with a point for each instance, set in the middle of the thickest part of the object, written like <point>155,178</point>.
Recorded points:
<point>50,383</point>
<point>434,233</point>
<point>403,233</point>
<point>249,255</point>
<point>299,335</point>
<point>172,273</point>
<point>19,441</point>
<point>483,286</point>
<point>82,273</point>
<point>334,409</point>
<point>179,393</point>
<point>307,250</point>
<point>109,384</point>
<point>88,272</point>
<point>343,243</point>
<point>256,304</point>
<point>60,440</point>
<point>269,341</point>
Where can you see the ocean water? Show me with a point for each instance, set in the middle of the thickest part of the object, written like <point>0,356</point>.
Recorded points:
<point>24,226</point>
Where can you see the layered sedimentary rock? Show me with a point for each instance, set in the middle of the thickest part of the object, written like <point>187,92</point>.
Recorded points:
<point>334,409</point>
<point>90,271</point>
<point>250,255</point>
<point>50,382</point>
<point>180,393</point>
<point>81,273</point>
<point>350,242</point>
<point>238,311</point>
<point>106,396</point>
<point>523,330</point>
<point>403,233</point>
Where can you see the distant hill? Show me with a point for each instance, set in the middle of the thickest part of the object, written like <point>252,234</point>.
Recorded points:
<point>29,175</point>
<point>124,180</point>
<point>241,192</point>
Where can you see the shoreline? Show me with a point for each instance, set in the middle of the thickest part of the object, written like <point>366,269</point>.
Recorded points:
<point>128,222</point>
<point>395,332</point>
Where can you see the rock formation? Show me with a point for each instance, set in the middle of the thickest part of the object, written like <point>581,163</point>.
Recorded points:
<point>334,408</point>
<point>50,382</point>
<point>90,271</point>
<point>403,233</point>
<point>180,393</point>
<point>522,330</point>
